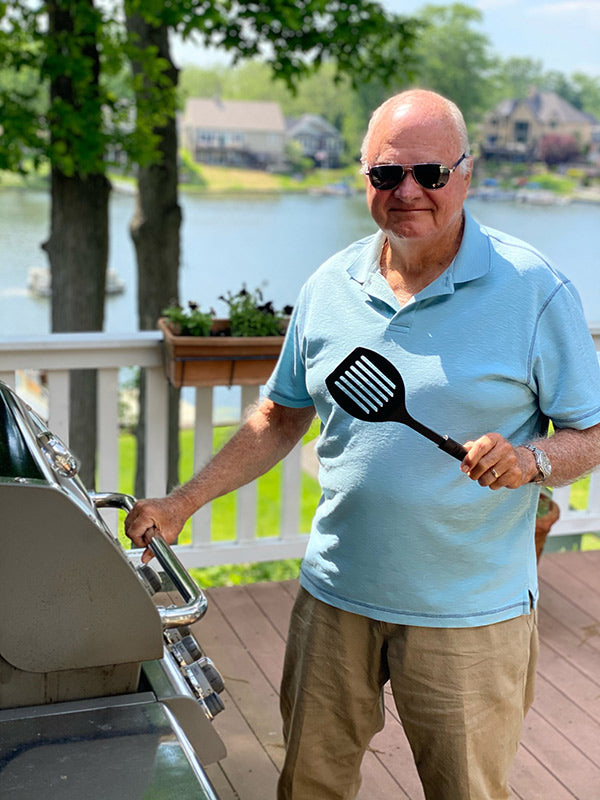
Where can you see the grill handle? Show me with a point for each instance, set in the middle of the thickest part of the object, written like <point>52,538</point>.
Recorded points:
<point>194,598</point>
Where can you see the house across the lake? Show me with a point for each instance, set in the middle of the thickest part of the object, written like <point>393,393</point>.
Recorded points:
<point>240,133</point>
<point>521,130</point>
<point>319,139</point>
<point>248,133</point>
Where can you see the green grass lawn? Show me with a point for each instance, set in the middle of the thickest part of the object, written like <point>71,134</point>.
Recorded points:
<point>269,510</point>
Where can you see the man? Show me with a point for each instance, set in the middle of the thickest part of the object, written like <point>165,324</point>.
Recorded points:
<point>419,569</point>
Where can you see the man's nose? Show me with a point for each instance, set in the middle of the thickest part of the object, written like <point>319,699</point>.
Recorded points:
<point>408,186</point>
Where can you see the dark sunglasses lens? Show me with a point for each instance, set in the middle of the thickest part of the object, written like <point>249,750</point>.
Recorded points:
<point>431,176</point>
<point>386,177</point>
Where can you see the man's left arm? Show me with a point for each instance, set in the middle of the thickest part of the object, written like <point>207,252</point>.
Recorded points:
<point>492,461</point>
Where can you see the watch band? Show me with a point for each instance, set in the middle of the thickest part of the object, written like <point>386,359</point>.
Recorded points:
<point>542,463</point>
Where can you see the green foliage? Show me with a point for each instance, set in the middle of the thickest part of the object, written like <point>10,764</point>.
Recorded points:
<point>587,93</point>
<point>514,78</point>
<point>294,39</point>
<point>250,315</point>
<point>298,162</point>
<point>555,183</point>
<point>341,77</point>
<point>56,109</point>
<point>189,171</point>
<point>190,322</point>
<point>239,574</point>
<point>74,57</point>
<point>454,57</point>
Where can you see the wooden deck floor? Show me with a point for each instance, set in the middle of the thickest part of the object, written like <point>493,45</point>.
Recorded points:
<point>244,632</point>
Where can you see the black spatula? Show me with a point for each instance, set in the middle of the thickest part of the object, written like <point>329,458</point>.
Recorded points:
<point>369,387</point>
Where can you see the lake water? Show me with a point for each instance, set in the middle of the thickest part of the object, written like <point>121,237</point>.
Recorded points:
<point>274,242</point>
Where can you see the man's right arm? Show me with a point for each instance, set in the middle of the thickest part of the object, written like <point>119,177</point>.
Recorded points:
<point>268,435</point>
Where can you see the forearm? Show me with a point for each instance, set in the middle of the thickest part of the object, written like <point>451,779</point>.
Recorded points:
<point>572,453</point>
<point>264,439</point>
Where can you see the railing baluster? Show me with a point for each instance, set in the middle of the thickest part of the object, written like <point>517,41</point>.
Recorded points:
<point>561,496</point>
<point>290,492</point>
<point>59,402</point>
<point>157,434</point>
<point>246,499</point>
<point>203,445</point>
<point>594,495</point>
<point>107,458</point>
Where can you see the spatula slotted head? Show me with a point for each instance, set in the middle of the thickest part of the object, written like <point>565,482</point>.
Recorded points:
<point>367,386</point>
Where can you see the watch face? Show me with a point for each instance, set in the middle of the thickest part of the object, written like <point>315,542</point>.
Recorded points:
<point>543,463</point>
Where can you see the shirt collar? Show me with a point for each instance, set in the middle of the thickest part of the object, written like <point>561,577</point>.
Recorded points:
<point>472,261</point>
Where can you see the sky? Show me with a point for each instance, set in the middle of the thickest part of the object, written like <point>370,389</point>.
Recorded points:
<point>563,34</point>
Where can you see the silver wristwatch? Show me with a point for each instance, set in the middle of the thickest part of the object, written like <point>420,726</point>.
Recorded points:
<point>542,462</point>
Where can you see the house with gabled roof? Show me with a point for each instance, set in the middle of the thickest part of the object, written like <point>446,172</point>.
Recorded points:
<point>319,139</point>
<point>233,132</point>
<point>515,128</point>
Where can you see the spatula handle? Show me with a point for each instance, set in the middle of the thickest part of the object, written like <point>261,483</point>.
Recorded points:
<point>455,449</point>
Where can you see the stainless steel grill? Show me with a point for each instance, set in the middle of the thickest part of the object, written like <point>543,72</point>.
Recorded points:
<point>104,690</point>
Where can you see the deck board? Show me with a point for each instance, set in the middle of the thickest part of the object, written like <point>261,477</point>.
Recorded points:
<point>559,758</point>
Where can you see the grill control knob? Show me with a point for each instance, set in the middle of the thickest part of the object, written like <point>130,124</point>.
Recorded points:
<point>212,674</point>
<point>214,704</point>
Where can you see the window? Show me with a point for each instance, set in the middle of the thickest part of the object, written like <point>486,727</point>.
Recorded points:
<point>521,131</point>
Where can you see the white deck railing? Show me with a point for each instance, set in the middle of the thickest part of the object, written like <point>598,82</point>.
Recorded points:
<point>56,354</point>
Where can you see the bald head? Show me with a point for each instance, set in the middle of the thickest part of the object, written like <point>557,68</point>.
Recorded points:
<point>430,107</point>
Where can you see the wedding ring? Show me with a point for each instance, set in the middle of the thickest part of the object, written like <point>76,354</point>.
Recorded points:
<point>494,473</point>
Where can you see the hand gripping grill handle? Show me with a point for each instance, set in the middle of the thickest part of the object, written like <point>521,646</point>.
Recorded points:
<point>195,600</point>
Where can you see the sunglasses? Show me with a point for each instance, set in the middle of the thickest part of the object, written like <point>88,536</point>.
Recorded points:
<point>386,177</point>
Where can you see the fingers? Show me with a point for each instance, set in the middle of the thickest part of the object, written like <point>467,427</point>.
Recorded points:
<point>493,462</point>
<point>138,522</point>
<point>153,517</point>
<point>144,521</point>
<point>147,555</point>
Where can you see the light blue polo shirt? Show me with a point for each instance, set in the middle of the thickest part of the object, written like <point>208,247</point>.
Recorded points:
<point>497,343</point>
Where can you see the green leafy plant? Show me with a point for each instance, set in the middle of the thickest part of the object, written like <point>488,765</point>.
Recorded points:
<point>188,322</point>
<point>250,315</point>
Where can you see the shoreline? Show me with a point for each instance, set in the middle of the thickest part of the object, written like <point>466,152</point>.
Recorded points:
<point>229,183</point>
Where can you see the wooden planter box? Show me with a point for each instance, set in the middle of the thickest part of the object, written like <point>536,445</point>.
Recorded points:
<point>218,360</point>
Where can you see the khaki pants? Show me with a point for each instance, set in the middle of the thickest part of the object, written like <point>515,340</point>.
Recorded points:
<point>461,693</point>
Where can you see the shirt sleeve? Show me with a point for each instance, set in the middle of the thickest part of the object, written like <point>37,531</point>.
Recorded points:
<point>287,384</point>
<point>564,363</point>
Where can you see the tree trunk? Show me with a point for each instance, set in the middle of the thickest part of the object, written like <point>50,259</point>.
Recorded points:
<point>78,243</point>
<point>78,256</point>
<point>155,230</point>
